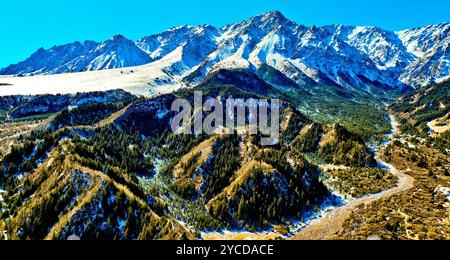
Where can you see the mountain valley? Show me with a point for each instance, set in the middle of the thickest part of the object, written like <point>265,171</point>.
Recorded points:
<point>87,149</point>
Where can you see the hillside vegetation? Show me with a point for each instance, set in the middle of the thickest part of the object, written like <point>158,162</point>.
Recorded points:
<point>112,169</point>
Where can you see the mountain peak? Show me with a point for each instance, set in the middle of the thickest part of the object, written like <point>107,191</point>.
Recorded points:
<point>337,53</point>
<point>179,28</point>
<point>269,21</point>
<point>118,37</point>
<point>274,14</point>
<point>117,40</point>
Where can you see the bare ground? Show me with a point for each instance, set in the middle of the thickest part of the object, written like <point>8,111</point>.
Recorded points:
<point>332,224</point>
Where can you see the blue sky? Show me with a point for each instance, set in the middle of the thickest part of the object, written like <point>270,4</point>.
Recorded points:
<point>28,24</point>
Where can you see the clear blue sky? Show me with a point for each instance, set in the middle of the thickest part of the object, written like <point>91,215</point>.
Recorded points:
<point>28,24</point>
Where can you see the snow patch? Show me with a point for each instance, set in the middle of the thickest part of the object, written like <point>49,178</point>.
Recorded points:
<point>446,192</point>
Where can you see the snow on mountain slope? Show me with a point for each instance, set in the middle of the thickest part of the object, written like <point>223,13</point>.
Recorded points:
<point>307,54</point>
<point>245,45</point>
<point>264,53</point>
<point>383,47</point>
<point>147,80</point>
<point>117,52</point>
<point>345,55</point>
<point>52,61</point>
<point>420,41</point>
<point>323,51</point>
<point>197,40</point>
<point>296,51</point>
<point>431,46</point>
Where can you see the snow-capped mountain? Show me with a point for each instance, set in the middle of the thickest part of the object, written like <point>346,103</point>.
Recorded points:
<point>349,56</point>
<point>51,61</point>
<point>117,52</point>
<point>431,47</point>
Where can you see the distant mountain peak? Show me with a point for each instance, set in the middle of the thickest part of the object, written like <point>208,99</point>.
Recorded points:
<point>119,40</point>
<point>118,37</point>
<point>275,14</point>
<point>270,19</point>
<point>180,28</point>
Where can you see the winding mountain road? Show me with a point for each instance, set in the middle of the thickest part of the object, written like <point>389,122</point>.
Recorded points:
<point>332,223</point>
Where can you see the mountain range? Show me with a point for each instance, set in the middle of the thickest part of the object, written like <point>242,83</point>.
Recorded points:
<point>348,56</point>
<point>87,149</point>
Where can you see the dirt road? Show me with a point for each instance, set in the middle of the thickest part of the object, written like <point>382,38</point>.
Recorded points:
<point>332,223</point>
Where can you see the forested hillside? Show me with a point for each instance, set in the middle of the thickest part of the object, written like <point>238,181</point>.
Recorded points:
<point>425,110</point>
<point>112,169</point>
